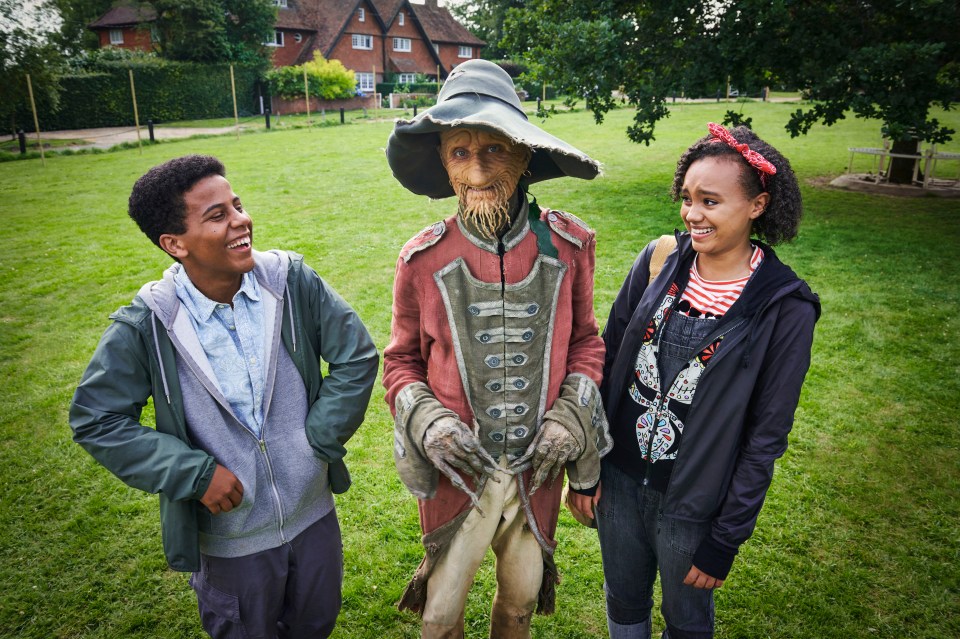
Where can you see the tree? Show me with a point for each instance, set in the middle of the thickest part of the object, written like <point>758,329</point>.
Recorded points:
<point>74,37</point>
<point>215,30</point>
<point>886,59</point>
<point>23,51</point>
<point>484,19</point>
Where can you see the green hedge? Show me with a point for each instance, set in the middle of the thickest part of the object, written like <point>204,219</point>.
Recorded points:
<point>386,88</point>
<point>166,92</point>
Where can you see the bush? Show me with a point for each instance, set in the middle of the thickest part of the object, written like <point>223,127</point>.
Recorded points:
<point>326,79</point>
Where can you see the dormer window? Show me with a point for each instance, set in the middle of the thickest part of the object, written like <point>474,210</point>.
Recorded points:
<point>400,16</point>
<point>361,14</point>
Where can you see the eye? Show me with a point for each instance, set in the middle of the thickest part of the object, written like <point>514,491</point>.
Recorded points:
<point>685,199</point>
<point>238,205</point>
<point>710,202</point>
<point>459,153</point>
<point>493,148</point>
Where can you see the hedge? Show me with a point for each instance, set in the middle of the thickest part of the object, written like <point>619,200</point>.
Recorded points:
<point>386,88</point>
<point>165,92</point>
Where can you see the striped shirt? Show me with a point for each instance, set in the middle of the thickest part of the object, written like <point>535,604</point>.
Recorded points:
<point>714,299</point>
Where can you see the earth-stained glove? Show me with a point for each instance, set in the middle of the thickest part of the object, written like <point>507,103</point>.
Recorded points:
<point>551,451</point>
<point>451,446</point>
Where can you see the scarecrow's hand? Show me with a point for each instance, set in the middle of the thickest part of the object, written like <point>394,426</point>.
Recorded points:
<point>552,450</point>
<point>451,446</point>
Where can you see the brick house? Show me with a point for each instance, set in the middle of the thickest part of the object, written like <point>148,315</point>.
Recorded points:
<point>376,39</point>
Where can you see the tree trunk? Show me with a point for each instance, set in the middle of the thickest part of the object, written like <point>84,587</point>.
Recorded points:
<point>900,170</point>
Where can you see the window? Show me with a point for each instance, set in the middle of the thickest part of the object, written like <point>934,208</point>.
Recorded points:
<point>280,3</point>
<point>361,41</point>
<point>465,52</point>
<point>407,78</point>
<point>298,37</point>
<point>361,14</point>
<point>277,39</point>
<point>400,16</point>
<point>364,81</point>
<point>402,44</point>
<point>436,48</point>
<point>116,36</point>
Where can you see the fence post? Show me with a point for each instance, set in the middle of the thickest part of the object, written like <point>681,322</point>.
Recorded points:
<point>150,129</point>
<point>36,122</point>
<point>136,114</point>
<point>414,110</point>
<point>538,105</point>
<point>341,115</point>
<point>266,114</point>
<point>22,137</point>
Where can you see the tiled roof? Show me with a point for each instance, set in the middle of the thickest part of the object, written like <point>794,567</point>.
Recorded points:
<point>126,15</point>
<point>441,26</point>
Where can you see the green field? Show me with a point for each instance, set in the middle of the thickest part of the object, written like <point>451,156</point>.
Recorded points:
<point>860,535</point>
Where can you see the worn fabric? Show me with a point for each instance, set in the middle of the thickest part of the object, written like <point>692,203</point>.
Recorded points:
<point>749,375</point>
<point>292,591</point>
<point>138,358</point>
<point>502,527</point>
<point>232,339</point>
<point>500,351</point>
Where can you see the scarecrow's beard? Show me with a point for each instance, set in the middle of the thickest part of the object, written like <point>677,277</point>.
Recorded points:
<point>487,210</point>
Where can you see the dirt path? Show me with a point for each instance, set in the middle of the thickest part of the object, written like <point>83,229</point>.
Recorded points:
<point>106,137</point>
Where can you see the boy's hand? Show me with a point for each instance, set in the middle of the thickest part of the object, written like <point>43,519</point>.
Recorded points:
<point>224,493</point>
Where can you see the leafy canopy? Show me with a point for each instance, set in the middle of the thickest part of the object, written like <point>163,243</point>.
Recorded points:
<point>886,59</point>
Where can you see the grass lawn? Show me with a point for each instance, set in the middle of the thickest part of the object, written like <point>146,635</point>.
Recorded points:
<point>860,535</point>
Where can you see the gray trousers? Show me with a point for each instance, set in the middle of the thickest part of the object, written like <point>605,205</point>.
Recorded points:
<point>288,592</point>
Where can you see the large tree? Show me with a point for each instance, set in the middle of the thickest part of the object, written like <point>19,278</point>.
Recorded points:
<point>484,19</point>
<point>215,30</point>
<point>24,50</point>
<point>74,37</point>
<point>886,59</point>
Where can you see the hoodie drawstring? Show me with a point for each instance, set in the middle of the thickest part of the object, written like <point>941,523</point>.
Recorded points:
<point>293,327</point>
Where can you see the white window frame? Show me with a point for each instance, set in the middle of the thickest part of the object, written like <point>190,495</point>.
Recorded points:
<point>436,48</point>
<point>365,81</point>
<point>116,36</point>
<point>362,14</point>
<point>403,44</point>
<point>280,3</point>
<point>362,41</point>
<point>277,39</point>
<point>407,78</point>
<point>298,37</point>
<point>400,16</point>
<point>464,51</point>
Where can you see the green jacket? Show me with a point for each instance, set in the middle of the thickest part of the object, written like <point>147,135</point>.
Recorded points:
<point>136,359</point>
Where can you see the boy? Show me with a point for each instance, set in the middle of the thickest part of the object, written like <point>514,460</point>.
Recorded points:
<point>249,437</point>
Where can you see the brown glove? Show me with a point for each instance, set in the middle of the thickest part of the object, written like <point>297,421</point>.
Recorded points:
<point>450,446</point>
<point>553,448</point>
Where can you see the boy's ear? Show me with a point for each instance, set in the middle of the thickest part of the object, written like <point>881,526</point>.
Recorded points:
<point>173,245</point>
<point>759,205</point>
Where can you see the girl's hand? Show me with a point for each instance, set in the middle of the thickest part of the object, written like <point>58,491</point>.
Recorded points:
<point>699,579</point>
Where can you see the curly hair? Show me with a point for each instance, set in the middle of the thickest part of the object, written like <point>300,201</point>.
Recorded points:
<point>781,219</point>
<point>156,202</point>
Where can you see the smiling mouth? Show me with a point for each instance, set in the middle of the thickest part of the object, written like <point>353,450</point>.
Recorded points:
<point>704,231</point>
<point>243,242</point>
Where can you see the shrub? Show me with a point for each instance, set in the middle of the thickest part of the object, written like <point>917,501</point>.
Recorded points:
<point>326,79</point>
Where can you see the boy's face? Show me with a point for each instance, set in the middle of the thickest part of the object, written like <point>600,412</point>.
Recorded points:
<point>216,249</point>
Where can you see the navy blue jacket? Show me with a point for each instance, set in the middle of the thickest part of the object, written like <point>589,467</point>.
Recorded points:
<point>743,408</point>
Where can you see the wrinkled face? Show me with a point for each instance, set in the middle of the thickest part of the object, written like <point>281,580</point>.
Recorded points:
<point>484,169</point>
<point>715,209</point>
<point>216,248</point>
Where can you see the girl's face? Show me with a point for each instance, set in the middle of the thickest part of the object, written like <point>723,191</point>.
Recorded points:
<point>716,210</point>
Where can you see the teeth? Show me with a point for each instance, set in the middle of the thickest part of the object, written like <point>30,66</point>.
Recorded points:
<point>243,241</point>
<point>701,231</point>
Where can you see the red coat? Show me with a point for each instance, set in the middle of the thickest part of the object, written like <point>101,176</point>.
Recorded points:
<point>421,346</point>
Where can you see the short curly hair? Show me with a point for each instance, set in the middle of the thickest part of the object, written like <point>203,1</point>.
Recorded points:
<point>156,202</point>
<point>781,219</point>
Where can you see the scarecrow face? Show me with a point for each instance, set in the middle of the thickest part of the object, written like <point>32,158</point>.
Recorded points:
<point>484,169</point>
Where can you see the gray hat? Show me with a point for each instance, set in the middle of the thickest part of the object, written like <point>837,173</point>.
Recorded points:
<point>478,94</point>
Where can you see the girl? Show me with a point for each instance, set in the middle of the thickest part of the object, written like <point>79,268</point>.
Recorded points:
<point>702,376</point>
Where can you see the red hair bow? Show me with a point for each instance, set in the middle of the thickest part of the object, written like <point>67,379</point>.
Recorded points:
<point>755,160</point>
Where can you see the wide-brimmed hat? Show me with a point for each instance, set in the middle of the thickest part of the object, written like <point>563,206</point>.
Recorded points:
<point>478,94</point>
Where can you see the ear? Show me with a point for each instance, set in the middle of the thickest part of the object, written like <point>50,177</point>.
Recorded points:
<point>759,205</point>
<point>173,245</point>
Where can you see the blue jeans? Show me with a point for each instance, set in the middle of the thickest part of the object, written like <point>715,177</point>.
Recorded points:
<point>635,541</point>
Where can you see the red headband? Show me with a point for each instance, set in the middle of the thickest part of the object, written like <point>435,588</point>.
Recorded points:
<point>757,161</point>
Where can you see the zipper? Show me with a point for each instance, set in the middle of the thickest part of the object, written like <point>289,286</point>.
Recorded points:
<point>501,252</point>
<point>273,486</point>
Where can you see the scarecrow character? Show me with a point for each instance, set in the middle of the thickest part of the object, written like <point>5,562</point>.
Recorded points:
<point>494,361</point>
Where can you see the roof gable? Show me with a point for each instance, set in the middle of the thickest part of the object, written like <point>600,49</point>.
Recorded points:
<point>126,14</point>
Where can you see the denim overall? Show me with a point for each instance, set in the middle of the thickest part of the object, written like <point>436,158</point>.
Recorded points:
<point>635,539</point>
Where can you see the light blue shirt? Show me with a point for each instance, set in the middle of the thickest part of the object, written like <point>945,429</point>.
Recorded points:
<point>233,340</point>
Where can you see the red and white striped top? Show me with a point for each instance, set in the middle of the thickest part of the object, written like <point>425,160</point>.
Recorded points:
<point>716,298</point>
